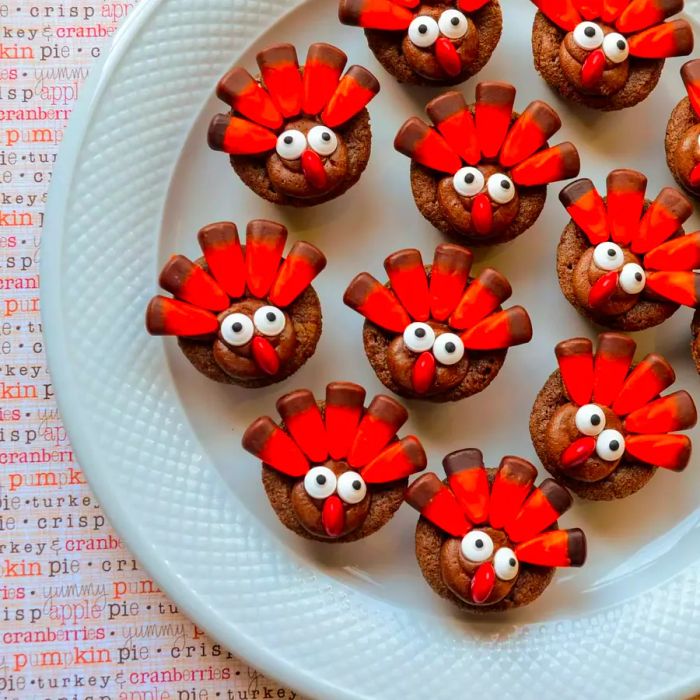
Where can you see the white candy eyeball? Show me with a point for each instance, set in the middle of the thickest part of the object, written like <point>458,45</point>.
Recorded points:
<point>291,144</point>
<point>608,256</point>
<point>269,320</point>
<point>453,24</point>
<point>468,181</point>
<point>505,563</point>
<point>589,36</point>
<point>590,419</point>
<point>322,140</point>
<point>616,48</point>
<point>610,445</point>
<point>448,349</point>
<point>477,546</point>
<point>237,329</point>
<point>419,337</point>
<point>351,487</point>
<point>501,189</point>
<point>633,279</point>
<point>423,31</point>
<point>320,482</point>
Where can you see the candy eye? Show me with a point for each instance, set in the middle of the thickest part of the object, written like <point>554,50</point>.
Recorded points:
<point>269,320</point>
<point>320,482</point>
<point>505,564</point>
<point>448,349</point>
<point>588,35</point>
<point>610,445</point>
<point>322,140</point>
<point>423,31</point>
<point>237,329</point>
<point>351,487</point>
<point>419,337</point>
<point>477,546</point>
<point>590,419</point>
<point>453,24</point>
<point>616,48</point>
<point>501,189</point>
<point>468,182</point>
<point>633,279</point>
<point>291,144</point>
<point>608,256</point>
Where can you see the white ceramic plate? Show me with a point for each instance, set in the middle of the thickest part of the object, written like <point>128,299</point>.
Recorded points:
<point>161,444</point>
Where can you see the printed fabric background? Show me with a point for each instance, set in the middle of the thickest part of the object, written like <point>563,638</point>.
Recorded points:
<point>79,618</point>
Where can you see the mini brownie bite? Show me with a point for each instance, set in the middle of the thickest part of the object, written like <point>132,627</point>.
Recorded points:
<point>599,424</point>
<point>428,42</point>
<point>296,136</point>
<point>487,538</point>
<point>607,54</point>
<point>683,133</point>
<point>242,314</point>
<point>623,261</point>
<point>335,471</point>
<point>434,332</point>
<point>481,173</point>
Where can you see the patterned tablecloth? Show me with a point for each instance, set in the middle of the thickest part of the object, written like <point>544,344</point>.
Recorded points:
<point>79,618</point>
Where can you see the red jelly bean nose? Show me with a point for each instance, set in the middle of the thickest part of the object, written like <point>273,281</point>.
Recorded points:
<point>447,57</point>
<point>314,172</point>
<point>603,289</point>
<point>577,452</point>
<point>482,214</point>
<point>333,516</point>
<point>483,582</point>
<point>593,69</point>
<point>695,177</point>
<point>423,373</point>
<point>265,355</point>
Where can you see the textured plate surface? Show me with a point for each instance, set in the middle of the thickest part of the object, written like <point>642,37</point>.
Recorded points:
<point>161,445</point>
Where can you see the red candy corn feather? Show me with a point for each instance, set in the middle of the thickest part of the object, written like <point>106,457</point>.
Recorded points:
<point>322,70</point>
<point>224,255</point>
<point>376,303</point>
<point>378,426</point>
<point>436,503</point>
<point>469,483</point>
<point>263,252</point>
<point>529,133</point>
<point>398,461</point>
<point>500,330</point>
<point>541,509</point>
<point>301,266</point>
<point>243,93</point>
<point>274,447</point>
<point>448,277</point>
<point>419,142</point>
<point>513,482</point>
<point>646,381</point>
<point>494,110</point>
<point>188,282</point>
<point>587,209</point>
<point>344,409</point>
<point>279,69</point>
<point>554,548</point>
<point>625,203</point>
<point>409,282</point>
<point>303,420</point>
<point>483,296</point>
<point>165,316</point>
<point>454,120</point>
<point>356,88</point>
<point>613,359</point>
<point>575,358</point>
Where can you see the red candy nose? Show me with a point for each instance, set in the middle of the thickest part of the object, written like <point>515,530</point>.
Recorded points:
<point>265,355</point>
<point>333,516</point>
<point>483,582</point>
<point>577,452</point>
<point>482,214</point>
<point>314,172</point>
<point>695,177</point>
<point>603,289</point>
<point>593,69</point>
<point>447,57</point>
<point>423,373</point>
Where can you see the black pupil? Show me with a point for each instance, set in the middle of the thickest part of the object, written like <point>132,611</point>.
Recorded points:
<point>423,28</point>
<point>455,21</point>
<point>479,544</point>
<point>612,252</point>
<point>326,136</point>
<point>512,561</point>
<point>614,445</point>
<point>638,276</point>
<point>450,347</point>
<point>469,178</point>
<point>271,316</point>
<point>320,479</point>
<point>357,485</point>
<point>288,139</point>
<point>595,420</point>
<point>621,44</point>
<point>420,332</point>
<point>589,32</point>
<point>237,327</point>
<point>505,184</point>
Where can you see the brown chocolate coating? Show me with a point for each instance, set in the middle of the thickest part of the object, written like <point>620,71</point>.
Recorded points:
<point>625,480</point>
<point>281,182</point>
<point>547,41</point>
<point>683,144</point>
<point>389,48</point>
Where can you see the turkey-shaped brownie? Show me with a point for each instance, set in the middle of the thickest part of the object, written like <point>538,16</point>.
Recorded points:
<point>487,539</point>
<point>335,471</point>
<point>481,172</point>
<point>607,54</point>
<point>242,314</point>
<point>428,42</point>
<point>599,424</point>
<point>683,132</point>
<point>623,261</point>
<point>297,136</point>
<point>435,332</point>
